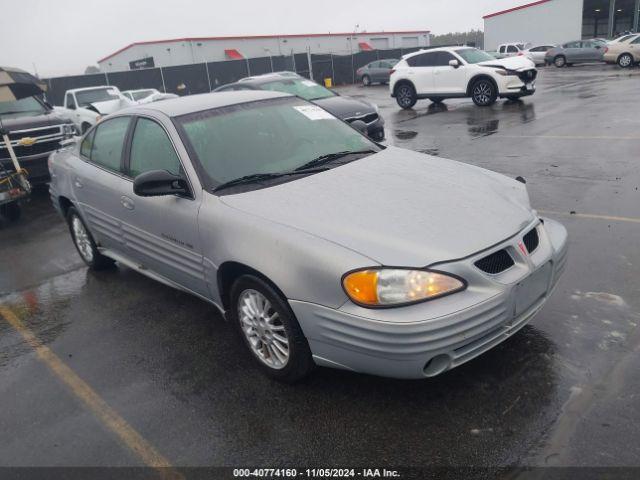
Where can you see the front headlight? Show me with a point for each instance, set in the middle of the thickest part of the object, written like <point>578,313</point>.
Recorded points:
<point>386,287</point>
<point>68,129</point>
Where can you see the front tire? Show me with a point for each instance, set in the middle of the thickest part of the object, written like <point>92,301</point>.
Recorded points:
<point>483,92</point>
<point>270,330</point>
<point>366,80</point>
<point>625,60</point>
<point>84,242</point>
<point>560,61</point>
<point>406,96</point>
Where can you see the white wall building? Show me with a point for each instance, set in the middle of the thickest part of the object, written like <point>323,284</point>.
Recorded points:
<point>559,21</point>
<point>181,51</point>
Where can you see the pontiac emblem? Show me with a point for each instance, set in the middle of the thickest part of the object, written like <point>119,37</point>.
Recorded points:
<point>26,141</point>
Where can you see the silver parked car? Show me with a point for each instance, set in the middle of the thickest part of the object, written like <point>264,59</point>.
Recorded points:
<point>376,72</point>
<point>579,51</point>
<point>320,245</point>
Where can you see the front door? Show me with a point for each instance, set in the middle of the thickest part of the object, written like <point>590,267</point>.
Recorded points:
<point>162,232</point>
<point>448,79</point>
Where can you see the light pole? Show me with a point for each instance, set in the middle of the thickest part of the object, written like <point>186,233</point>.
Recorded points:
<point>268,51</point>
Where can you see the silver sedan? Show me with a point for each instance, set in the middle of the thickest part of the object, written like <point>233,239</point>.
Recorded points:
<point>321,246</point>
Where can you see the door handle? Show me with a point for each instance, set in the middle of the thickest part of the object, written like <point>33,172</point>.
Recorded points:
<point>78,183</point>
<point>127,202</point>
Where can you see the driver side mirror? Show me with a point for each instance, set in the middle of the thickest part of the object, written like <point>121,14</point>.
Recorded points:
<point>157,183</point>
<point>454,63</point>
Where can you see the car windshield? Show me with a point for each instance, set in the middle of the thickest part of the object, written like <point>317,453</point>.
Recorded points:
<point>473,55</point>
<point>24,106</point>
<point>140,94</point>
<point>300,87</point>
<point>87,97</point>
<point>268,136</point>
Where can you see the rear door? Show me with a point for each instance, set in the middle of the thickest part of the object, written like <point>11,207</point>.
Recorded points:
<point>98,181</point>
<point>162,232</point>
<point>634,49</point>
<point>373,70</point>
<point>421,72</point>
<point>573,52</point>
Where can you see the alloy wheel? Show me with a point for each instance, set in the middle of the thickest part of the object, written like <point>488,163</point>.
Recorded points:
<point>625,60</point>
<point>81,237</point>
<point>405,96</point>
<point>263,329</point>
<point>559,62</point>
<point>482,92</point>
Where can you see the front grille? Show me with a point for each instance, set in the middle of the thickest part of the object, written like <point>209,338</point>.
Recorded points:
<point>528,75</point>
<point>495,263</point>
<point>531,240</point>
<point>35,149</point>
<point>369,118</point>
<point>34,133</point>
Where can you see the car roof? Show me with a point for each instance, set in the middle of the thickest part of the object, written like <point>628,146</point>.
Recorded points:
<point>95,87</point>
<point>437,49</point>
<point>138,90</point>
<point>270,76</point>
<point>205,101</point>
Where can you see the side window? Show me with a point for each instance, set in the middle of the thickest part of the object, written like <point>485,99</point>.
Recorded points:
<point>572,45</point>
<point>636,41</point>
<point>108,142</point>
<point>374,65</point>
<point>70,102</point>
<point>424,60</point>
<point>151,149</point>
<point>87,143</point>
<point>538,49</point>
<point>442,59</point>
<point>512,49</point>
<point>501,49</point>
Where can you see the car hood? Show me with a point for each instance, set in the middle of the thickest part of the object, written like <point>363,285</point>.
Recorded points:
<point>398,207</point>
<point>110,106</point>
<point>345,107</point>
<point>517,62</point>
<point>24,122</point>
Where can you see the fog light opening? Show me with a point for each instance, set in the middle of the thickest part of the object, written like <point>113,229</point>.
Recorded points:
<point>437,365</point>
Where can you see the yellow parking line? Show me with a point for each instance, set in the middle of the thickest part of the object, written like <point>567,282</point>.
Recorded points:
<point>596,217</point>
<point>107,415</point>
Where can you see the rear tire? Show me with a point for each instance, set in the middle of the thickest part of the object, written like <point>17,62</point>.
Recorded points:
<point>11,211</point>
<point>484,92</point>
<point>83,240</point>
<point>366,80</point>
<point>406,96</point>
<point>269,330</point>
<point>625,60</point>
<point>85,126</point>
<point>560,61</point>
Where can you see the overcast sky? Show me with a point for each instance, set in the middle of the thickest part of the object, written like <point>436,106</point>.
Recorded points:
<point>62,36</point>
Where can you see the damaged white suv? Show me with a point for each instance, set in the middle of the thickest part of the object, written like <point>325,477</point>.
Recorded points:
<point>455,72</point>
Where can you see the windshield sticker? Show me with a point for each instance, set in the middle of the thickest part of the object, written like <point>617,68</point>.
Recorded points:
<point>313,112</point>
<point>309,83</point>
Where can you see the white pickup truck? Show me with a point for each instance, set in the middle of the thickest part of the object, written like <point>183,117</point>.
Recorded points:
<point>86,106</point>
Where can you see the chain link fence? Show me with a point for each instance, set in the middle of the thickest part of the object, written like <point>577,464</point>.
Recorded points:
<point>205,77</point>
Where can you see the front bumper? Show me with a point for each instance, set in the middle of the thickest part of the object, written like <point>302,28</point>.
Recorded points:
<point>426,339</point>
<point>35,165</point>
<point>375,130</point>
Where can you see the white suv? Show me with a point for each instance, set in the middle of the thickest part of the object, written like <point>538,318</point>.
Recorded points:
<point>455,72</point>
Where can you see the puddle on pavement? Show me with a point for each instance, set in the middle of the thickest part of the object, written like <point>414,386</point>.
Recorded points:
<point>405,134</point>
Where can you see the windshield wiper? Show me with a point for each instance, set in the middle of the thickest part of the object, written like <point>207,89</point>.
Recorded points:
<point>329,157</point>
<point>257,177</point>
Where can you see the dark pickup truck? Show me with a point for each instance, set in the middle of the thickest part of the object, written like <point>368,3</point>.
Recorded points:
<point>35,130</point>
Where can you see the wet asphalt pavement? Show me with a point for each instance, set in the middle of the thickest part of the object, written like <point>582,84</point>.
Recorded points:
<point>563,391</point>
